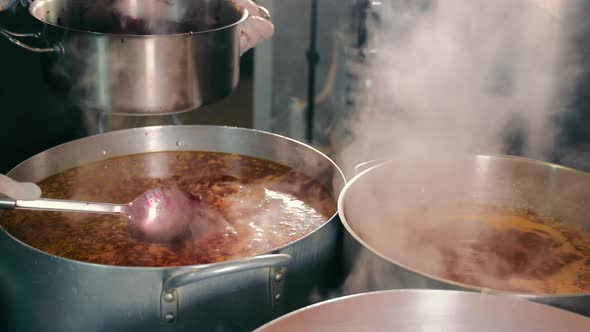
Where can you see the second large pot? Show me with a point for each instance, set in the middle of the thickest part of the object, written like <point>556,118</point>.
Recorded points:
<point>42,292</point>
<point>372,199</point>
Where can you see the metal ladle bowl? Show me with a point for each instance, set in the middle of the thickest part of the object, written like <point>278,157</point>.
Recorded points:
<point>160,214</point>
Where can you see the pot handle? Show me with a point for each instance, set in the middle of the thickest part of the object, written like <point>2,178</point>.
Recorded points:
<point>169,303</point>
<point>249,40</point>
<point>367,164</point>
<point>13,38</point>
<point>220,269</point>
<point>263,13</point>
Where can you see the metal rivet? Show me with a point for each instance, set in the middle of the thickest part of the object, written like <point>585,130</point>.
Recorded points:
<point>278,297</point>
<point>278,277</point>
<point>168,297</point>
<point>169,318</point>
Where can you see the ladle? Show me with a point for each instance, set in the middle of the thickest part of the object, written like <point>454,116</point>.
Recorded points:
<point>161,213</point>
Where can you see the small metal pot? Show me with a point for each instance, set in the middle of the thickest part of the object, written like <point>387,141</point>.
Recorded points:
<point>368,201</point>
<point>42,292</point>
<point>428,310</point>
<point>139,58</point>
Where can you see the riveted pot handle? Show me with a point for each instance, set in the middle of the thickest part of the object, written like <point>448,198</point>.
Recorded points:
<point>169,299</point>
<point>13,38</point>
<point>216,270</point>
<point>367,164</point>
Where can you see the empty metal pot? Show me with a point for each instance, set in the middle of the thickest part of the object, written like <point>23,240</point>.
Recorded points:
<point>428,310</point>
<point>136,57</point>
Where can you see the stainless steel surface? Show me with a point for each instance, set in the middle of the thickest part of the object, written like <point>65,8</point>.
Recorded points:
<point>153,57</point>
<point>7,203</point>
<point>41,292</point>
<point>12,37</point>
<point>169,302</point>
<point>428,310</point>
<point>277,285</point>
<point>547,189</point>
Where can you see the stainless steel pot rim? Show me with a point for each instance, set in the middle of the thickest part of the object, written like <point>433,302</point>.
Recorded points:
<point>149,130</point>
<point>346,298</point>
<point>36,3</point>
<point>471,288</point>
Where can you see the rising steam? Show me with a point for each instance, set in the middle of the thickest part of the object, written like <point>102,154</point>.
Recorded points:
<point>458,78</point>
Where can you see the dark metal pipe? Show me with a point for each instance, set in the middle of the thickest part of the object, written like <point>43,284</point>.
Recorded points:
<point>313,60</point>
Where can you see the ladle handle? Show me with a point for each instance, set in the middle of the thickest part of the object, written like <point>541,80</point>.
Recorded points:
<point>64,206</point>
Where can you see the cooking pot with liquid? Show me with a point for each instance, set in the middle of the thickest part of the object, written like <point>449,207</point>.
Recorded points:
<point>43,292</point>
<point>132,57</point>
<point>372,202</point>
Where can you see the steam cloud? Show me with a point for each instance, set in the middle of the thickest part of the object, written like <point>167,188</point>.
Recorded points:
<point>452,79</point>
<point>457,76</point>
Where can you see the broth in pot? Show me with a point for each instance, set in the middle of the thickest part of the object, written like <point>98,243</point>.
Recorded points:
<point>253,206</point>
<point>495,247</point>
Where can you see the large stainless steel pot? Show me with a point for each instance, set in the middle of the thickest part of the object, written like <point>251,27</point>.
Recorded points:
<point>139,57</point>
<point>428,310</point>
<point>41,292</point>
<point>372,199</point>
